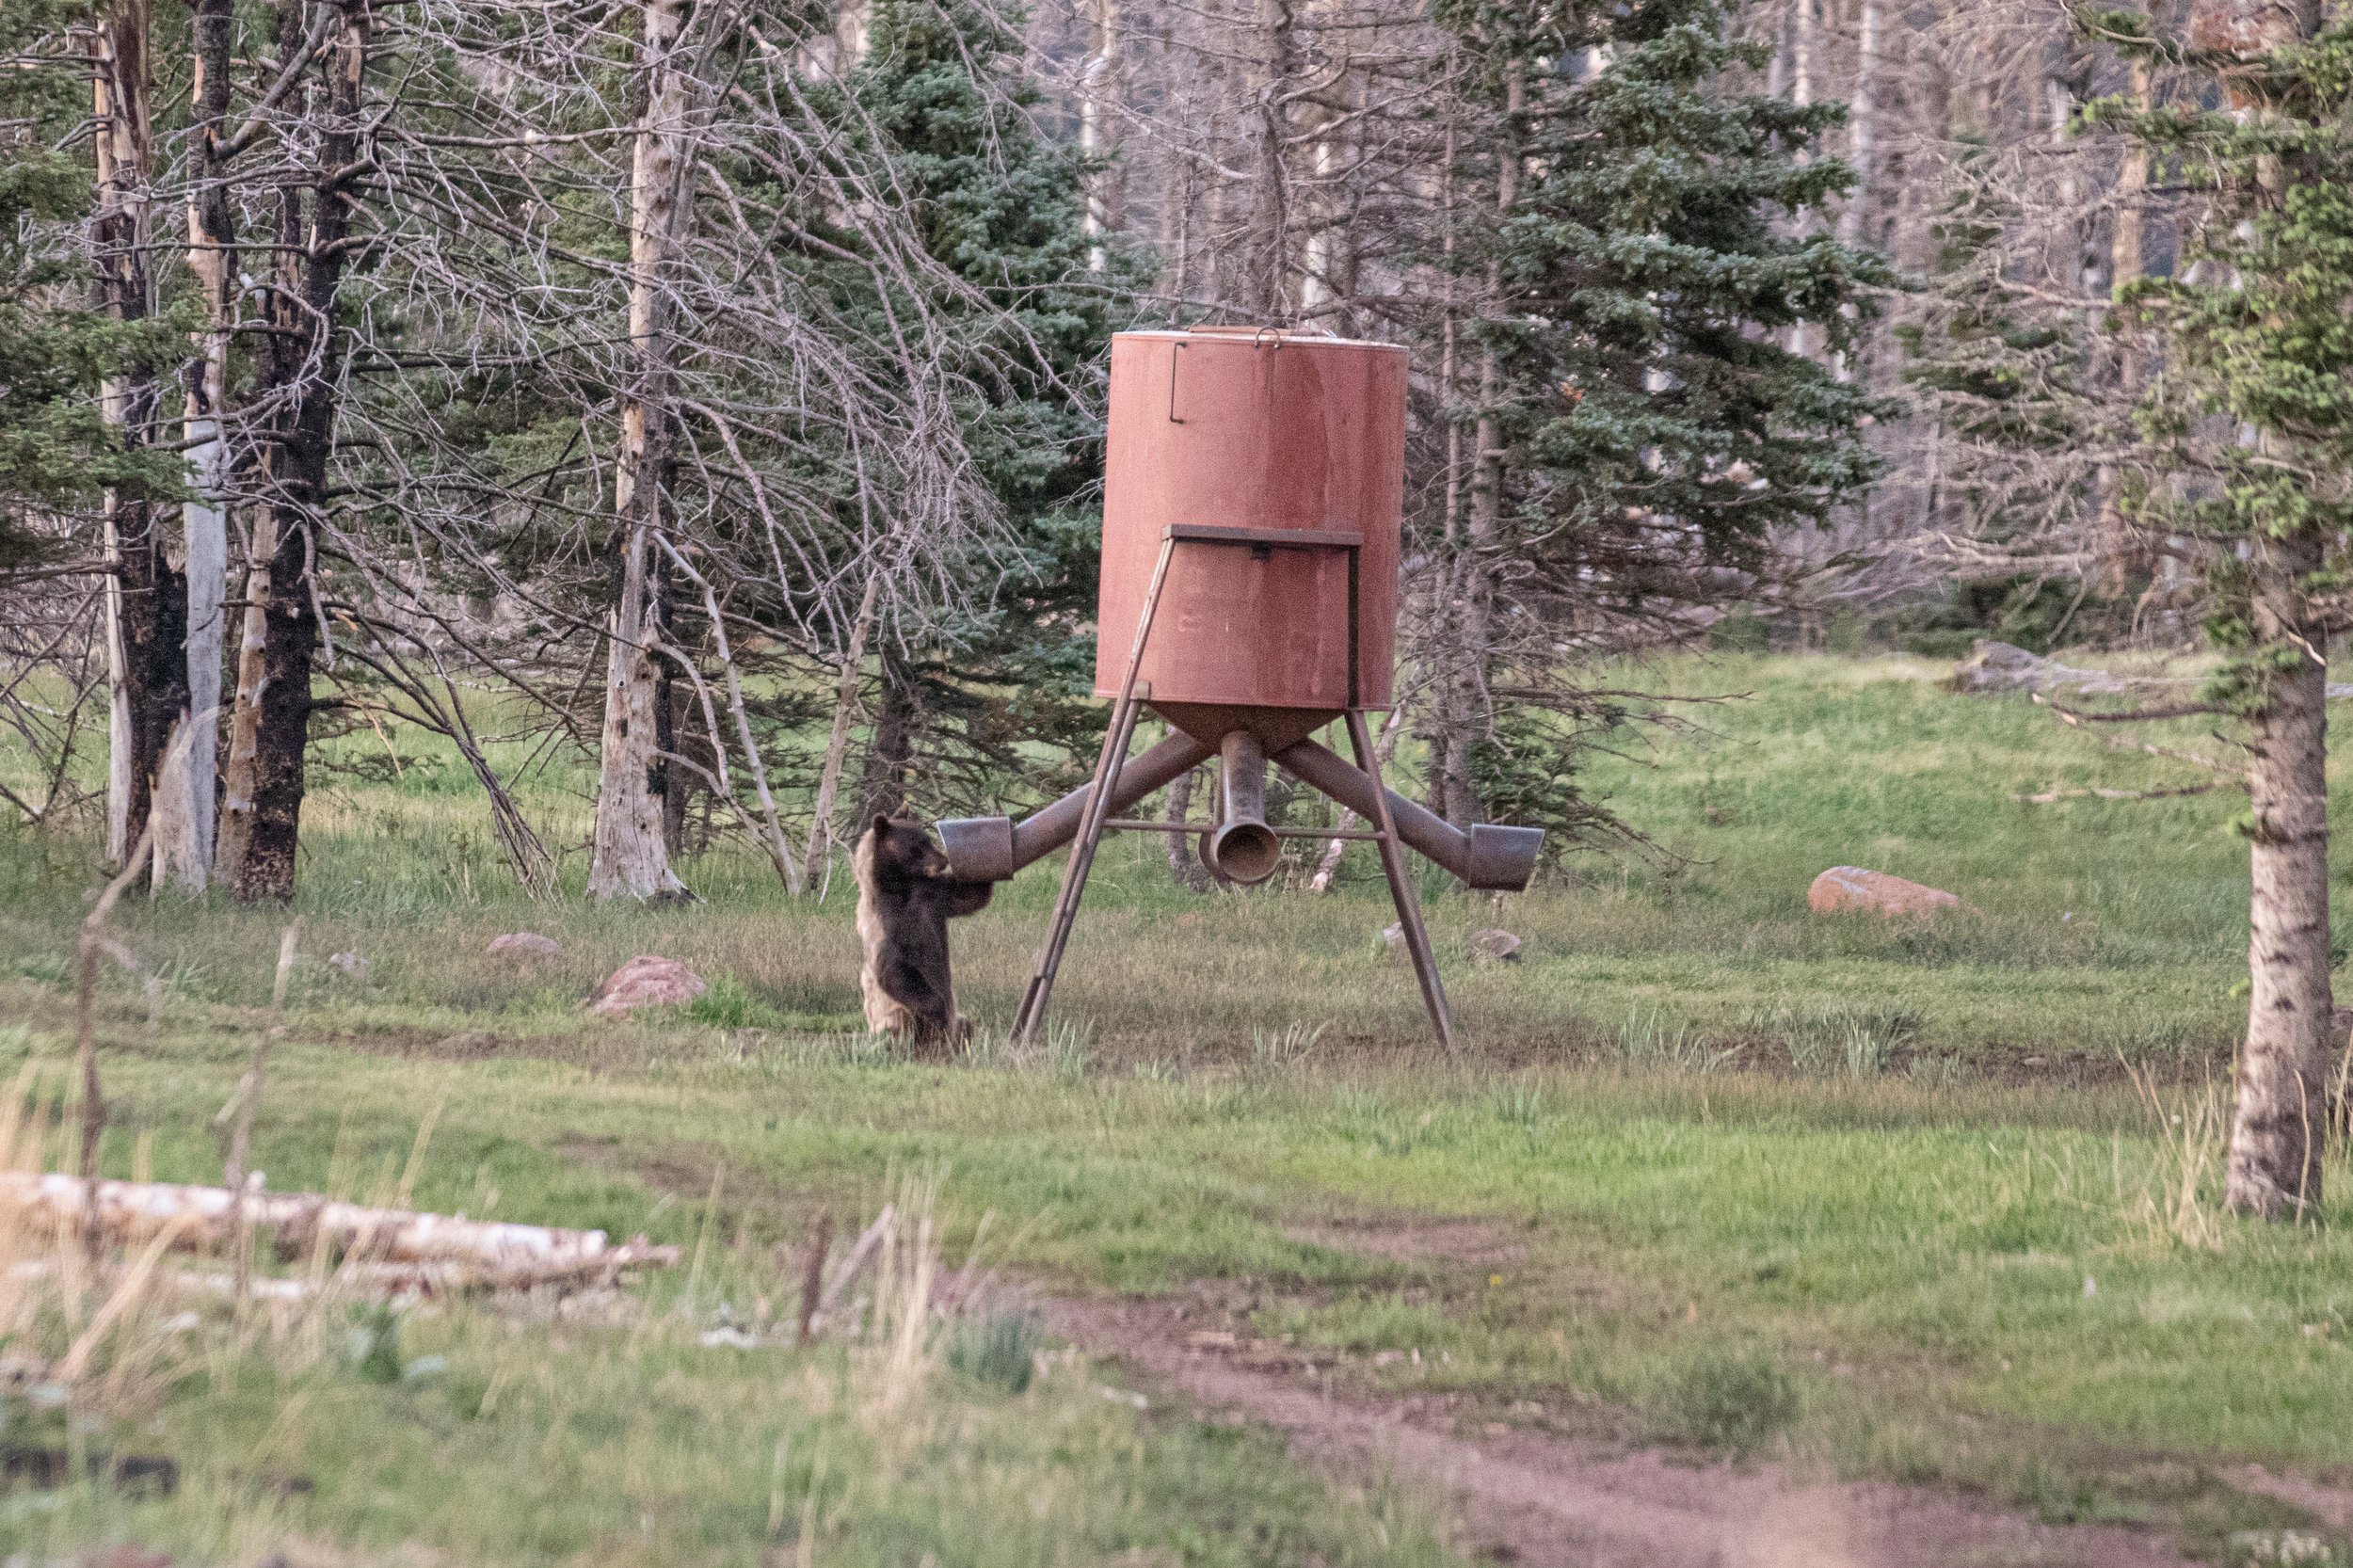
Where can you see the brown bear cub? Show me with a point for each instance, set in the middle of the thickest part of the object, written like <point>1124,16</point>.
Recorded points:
<point>905,896</point>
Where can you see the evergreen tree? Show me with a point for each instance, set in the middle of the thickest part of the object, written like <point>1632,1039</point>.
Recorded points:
<point>2003,379</point>
<point>57,456</point>
<point>1005,208</point>
<point>2250,450</point>
<point>1644,239</point>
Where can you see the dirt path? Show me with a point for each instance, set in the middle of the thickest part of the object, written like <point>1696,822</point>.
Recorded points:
<point>1530,1498</point>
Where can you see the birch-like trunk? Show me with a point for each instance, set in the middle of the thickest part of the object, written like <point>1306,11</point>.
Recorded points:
<point>821,833</point>
<point>2114,547</point>
<point>630,858</point>
<point>890,753</point>
<point>143,623</point>
<point>1862,149</point>
<point>1804,44</point>
<point>1095,90</point>
<point>1269,261</point>
<point>1190,873</point>
<point>193,851</point>
<point>245,711</point>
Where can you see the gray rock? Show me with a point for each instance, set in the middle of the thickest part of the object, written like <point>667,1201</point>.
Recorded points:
<point>1494,944</point>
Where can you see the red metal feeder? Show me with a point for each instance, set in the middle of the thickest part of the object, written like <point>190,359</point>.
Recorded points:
<point>1253,489</point>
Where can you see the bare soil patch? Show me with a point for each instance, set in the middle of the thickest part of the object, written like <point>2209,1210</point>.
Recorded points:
<point>1425,1242</point>
<point>1557,1501</point>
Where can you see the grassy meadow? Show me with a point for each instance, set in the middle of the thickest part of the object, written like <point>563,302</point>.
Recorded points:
<point>1929,1202</point>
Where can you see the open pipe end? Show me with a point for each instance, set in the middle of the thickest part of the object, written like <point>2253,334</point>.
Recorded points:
<point>1245,852</point>
<point>1501,859</point>
<point>980,849</point>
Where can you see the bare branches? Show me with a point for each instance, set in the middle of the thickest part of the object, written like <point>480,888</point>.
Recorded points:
<point>2127,743</point>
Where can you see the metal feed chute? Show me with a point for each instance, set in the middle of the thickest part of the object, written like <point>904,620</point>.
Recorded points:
<point>1253,490</point>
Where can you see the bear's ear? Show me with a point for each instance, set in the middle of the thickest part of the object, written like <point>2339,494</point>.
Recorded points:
<point>882,822</point>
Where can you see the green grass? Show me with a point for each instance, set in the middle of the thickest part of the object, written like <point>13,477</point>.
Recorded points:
<point>1873,1198</point>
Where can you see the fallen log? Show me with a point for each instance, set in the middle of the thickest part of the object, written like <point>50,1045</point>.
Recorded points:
<point>297,1223</point>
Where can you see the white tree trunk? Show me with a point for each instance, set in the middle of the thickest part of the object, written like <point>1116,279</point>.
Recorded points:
<point>120,121</point>
<point>239,776</point>
<point>630,858</point>
<point>1804,39</point>
<point>193,848</point>
<point>119,738</point>
<point>1862,149</point>
<point>821,835</point>
<point>204,524</point>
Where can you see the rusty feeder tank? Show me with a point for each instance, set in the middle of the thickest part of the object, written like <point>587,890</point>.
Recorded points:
<point>1253,490</point>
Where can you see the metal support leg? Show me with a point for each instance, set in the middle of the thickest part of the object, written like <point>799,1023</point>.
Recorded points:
<point>1098,803</point>
<point>1400,889</point>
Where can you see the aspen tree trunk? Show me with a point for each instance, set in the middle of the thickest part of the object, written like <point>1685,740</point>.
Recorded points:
<point>821,835</point>
<point>630,858</point>
<point>2280,1124</point>
<point>1096,92</point>
<point>1190,873</point>
<point>144,606</point>
<point>2126,240</point>
<point>1805,40</point>
<point>2114,547</point>
<point>1269,261</point>
<point>891,753</point>
<point>203,519</point>
<point>1861,148</point>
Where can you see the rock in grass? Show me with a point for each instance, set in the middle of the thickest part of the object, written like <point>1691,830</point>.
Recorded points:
<point>646,980</point>
<point>352,963</point>
<point>1494,944</point>
<point>1844,888</point>
<point>526,944</point>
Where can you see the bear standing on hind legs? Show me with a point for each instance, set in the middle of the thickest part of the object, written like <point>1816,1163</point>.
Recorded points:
<point>905,897</point>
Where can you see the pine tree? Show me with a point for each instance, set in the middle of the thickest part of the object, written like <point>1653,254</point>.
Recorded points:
<point>1629,426</point>
<point>57,455</point>
<point>1005,208</point>
<point>2250,450</point>
<point>2002,378</point>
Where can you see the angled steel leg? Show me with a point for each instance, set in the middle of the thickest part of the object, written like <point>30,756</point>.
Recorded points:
<point>1393,863</point>
<point>1107,769</point>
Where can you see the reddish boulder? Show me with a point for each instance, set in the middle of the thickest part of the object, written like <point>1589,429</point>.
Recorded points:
<point>526,944</point>
<point>646,980</point>
<point>1843,887</point>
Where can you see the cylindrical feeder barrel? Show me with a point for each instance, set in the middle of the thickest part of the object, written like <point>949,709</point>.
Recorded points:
<point>1255,430</point>
<point>1272,468</point>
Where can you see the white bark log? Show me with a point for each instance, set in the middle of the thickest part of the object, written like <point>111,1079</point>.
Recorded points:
<point>130,1213</point>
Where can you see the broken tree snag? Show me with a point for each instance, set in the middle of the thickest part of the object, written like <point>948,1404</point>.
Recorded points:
<point>130,1212</point>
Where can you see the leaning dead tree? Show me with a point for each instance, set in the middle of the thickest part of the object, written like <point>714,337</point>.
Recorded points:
<point>750,431</point>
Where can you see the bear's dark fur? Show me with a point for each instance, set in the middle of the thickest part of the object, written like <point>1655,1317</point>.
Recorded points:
<point>905,897</point>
